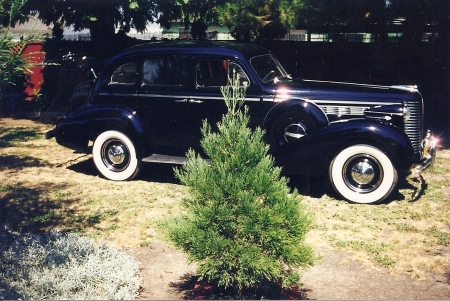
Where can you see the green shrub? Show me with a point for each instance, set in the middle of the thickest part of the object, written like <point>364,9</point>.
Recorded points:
<point>63,266</point>
<point>242,225</point>
<point>13,66</point>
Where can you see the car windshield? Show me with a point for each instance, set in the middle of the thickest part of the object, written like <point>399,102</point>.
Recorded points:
<point>268,68</point>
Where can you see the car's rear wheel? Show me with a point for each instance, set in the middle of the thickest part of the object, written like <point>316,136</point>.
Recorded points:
<point>363,174</point>
<point>115,156</point>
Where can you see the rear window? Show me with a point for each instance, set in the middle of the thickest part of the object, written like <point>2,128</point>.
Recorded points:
<point>124,75</point>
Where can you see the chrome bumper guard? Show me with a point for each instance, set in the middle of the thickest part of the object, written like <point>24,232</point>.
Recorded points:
<point>429,145</point>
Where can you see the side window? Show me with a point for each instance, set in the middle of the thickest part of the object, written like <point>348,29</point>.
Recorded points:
<point>125,74</point>
<point>236,69</point>
<point>165,71</point>
<point>215,73</point>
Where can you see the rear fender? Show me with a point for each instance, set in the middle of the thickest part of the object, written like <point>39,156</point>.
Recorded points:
<point>312,154</point>
<point>89,121</point>
<point>81,94</point>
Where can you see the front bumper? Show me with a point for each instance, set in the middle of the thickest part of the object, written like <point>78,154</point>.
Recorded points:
<point>429,145</point>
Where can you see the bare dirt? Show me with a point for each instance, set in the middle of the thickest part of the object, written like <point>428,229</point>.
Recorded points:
<point>166,275</point>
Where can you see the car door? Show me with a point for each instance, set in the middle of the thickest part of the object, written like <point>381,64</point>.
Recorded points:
<point>162,99</point>
<point>207,102</point>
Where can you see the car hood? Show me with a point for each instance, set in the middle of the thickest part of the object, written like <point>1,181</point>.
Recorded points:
<point>324,91</point>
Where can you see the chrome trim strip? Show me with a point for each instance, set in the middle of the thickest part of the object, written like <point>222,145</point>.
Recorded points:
<point>161,95</point>
<point>116,94</point>
<point>387,113</point>
<point>354,102</point>
<point>221,98</point>
<point>348,84</point>
<point>335,103</point>
<point>281,97</point>
<point>172,96</point>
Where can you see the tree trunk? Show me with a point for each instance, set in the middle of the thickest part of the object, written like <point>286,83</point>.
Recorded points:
<point>103,32</point>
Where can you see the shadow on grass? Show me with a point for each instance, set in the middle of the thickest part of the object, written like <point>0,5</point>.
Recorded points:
<point>159,173</point>
<point>8,136</point>
<point>86,167</point>
<point>415,185</point>
<point>19,162</point>
<point>314,187</point>
<point>40,208</point>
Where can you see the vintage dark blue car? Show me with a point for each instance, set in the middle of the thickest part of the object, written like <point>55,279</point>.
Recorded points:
<point>149,102</point>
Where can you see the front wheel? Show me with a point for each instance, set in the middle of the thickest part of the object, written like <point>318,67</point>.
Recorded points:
<point>115,156</point>
<point>363,174</point>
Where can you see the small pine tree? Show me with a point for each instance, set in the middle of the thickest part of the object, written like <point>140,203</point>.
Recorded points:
<point>242,225</point>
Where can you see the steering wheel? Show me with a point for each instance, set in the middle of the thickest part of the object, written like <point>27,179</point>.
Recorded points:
<point>267,75</point>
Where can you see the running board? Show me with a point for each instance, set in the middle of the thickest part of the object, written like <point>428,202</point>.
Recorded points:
<point>157,158</point>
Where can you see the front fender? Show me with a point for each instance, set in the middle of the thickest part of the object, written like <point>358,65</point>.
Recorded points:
<point>76,130</point>
<point>300,105</point>
<point>311,154</point>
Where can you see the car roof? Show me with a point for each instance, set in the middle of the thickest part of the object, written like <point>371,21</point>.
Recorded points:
<point>228,48</point>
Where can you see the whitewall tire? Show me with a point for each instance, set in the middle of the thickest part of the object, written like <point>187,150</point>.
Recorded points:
<point>115,156</point>
<point>363,174</point>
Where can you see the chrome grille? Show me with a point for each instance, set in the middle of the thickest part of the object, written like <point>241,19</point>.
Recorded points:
<point>344,110</point>
<point>413,126</point>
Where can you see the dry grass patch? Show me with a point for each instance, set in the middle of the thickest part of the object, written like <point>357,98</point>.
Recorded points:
<point>410,233</point>
<point>47,186</point>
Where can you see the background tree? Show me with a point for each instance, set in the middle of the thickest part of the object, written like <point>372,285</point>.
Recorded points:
<point>195,14</point>
<point>342,16</point>
<point>242,225</point>
<point>255,21</point>
<point>101,17</point>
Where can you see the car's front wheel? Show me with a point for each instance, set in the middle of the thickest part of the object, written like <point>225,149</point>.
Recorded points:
<point>115,156</point>
<point>363,174</point>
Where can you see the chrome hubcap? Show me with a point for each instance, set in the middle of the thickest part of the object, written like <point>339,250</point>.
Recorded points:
<point>115,155</point>
<point>362,173</point>
<point>294,132</point>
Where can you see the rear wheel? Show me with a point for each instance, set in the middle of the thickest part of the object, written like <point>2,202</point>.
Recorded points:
<point>115,156</point>
<point>363,174</point>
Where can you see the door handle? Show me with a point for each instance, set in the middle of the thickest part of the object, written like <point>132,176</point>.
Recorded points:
<point>181,100</point>
<point>195,101</point>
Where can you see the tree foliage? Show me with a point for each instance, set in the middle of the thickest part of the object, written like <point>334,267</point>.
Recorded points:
<point>13,66</point>
<point>102,17</point>
<point>247,20</point>
<point>242,226</point>
<point>342,15</point>
<point>418,16</point>
<point>251,21</point>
